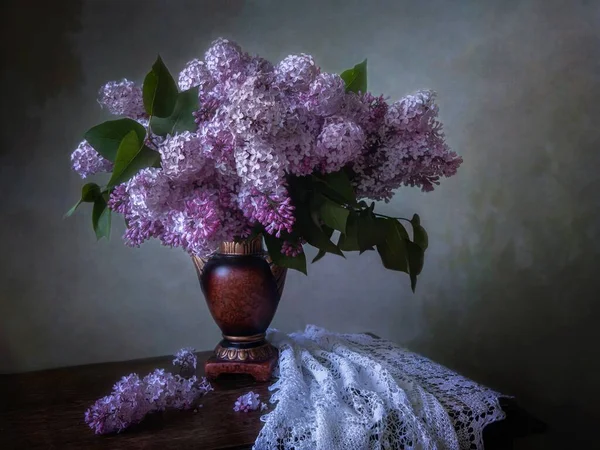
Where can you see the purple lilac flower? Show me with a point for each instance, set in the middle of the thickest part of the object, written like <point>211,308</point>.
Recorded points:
<point>206,110</point>
<point>292,249</point>
<point>195,74</point>
<point>339,143</point>
<point>259,124</point>
<point>182,156</point>
<point>119,200</point>
<point>125,406</point>
<point>296,72</point>
<point>274,211</point>
<point>411,151</point>
<point>86,161</point>
<point>258,164</point>
<point>218,143</point>
<point>258,66</point>
<point>149,191</point>
<point>122,98</point>
<point>224,59</point>
<point>325,94</point>
<point>133,398</point>
<point>186,358</point>
<point>254,109</point>
<point>247,402</point>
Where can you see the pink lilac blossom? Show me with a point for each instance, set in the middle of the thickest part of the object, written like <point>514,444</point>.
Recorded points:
<point>86,161</point>
<point>186,358</point>
<point>122,98</point>
<point>133,398</point>
<point>260,125</point>
<point>247,402</point>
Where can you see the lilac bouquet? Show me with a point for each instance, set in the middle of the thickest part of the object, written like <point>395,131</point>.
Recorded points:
<point>240,147</point>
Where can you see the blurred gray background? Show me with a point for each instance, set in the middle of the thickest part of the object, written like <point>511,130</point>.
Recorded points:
<point>509,293</point>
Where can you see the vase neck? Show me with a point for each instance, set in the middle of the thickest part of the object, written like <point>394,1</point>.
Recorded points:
<point>246,247</point>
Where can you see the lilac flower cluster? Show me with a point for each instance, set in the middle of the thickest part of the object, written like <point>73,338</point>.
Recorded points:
<point>86,161</point>
<point>186,358</point>
<point>249,402</point>
<point>259,124</point>
<point>122,98</point>
<point>132,397</point>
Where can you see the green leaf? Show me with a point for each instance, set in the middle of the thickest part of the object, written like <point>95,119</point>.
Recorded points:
<point>315,235</point>
<point>71,211</point>
<point>348,241</point>
<point>320,255</point>
<point>328,231</point>
<point>371,231</point>
<point>89,193</point>
<point>333,215</point>
<point>159,90</point>
<point>132,156</point>
<point>356,78</point>
<point>274,248</point>
<point>300,188</point>
<point>419,234</point>
<point>393,250</point>
<point>337,186</point>
<point>101,216</point>
<point>106,137</point>
<point>182,118</point>
<point>416,259</point>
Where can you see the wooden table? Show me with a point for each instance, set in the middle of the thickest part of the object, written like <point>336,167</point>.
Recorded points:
<point>45,410</point>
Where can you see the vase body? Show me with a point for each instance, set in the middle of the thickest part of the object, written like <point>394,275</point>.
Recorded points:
<point>242,289</point>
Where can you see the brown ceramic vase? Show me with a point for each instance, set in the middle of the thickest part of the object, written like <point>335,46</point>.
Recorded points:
<point>242,288</point>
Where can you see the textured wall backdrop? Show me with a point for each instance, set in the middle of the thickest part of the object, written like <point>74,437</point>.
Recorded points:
<point>509,293</point>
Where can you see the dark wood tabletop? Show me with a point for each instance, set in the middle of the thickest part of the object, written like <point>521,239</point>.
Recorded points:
<point>45,410</point>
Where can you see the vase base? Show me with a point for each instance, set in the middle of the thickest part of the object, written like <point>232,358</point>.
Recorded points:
<point>261,370</point>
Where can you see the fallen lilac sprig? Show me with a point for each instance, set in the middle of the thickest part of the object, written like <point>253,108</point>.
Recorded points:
<point>249,402</point>
<point>132,398</point>
<point>186,359</point>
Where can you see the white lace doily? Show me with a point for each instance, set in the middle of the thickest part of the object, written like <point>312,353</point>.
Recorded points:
<point>352,391</point>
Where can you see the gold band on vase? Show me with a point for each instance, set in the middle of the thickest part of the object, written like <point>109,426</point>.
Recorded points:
<point>245,339</point>
<point>260,353</point>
